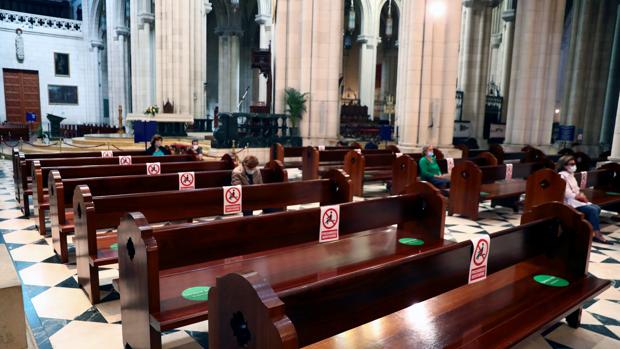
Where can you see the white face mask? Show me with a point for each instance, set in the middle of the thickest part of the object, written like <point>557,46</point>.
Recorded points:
<point>571,169</point>
<point>429,153</point>
<point>250,171</point>
<point>195,146</point>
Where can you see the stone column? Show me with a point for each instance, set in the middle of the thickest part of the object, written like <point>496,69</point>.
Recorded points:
<point>367,73</point>
<point>588,67</point>
<point>96,100</point>
<point>615,148</point>
<point>308,56</point>
<point>427,70</point>
<point>613,85</point>
<point>534,76</point>
<point>508,15</point>
<point>118,67</point>
<point>265,23</point>
<point>142,55</point>
<point>476,56</point>
<point>181,37</point>
<point>228,87</point>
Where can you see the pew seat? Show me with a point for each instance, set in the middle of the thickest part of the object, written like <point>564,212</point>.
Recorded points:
<point>504,309</point>
<point>503,189</point>
<point>602,197</point>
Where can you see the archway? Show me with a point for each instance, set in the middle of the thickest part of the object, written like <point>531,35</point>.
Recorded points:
<point>387,61</point>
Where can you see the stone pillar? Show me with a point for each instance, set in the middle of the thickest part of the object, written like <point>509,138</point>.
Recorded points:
<point>367,73</point>
<point>228,86</point>
<point>534,76</point>
<point>142,55</point>
<point>588,67</point>
<point>615,148</point>
<point>476,56</point>
<point>308,56</point>
<point>95,100</point>
<point>181,37</point>
<point>508,15</point>
<point>613,86</point>
<point>118,68</point>
<point>427,70</point>
<point>265,23</point>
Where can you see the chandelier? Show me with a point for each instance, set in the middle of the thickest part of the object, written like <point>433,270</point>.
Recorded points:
<point>389,22</point>
<point>351,23</point>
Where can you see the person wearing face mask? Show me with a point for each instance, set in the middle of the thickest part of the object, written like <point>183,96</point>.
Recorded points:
<point>157,148</point>
<point>567,166</point>
<point>430,171</point>
<point>196,149</point>
<point>247,173</point>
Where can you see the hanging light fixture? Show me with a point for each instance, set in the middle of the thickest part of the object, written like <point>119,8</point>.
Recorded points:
<point>351,25</point>
<point>235,4</point>
<point>389,22</point>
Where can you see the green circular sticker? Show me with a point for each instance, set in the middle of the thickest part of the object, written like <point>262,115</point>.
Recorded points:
<point>411,241</point>
<point>612,193</point>
<point>484,193</point>
<point>198,293</point>
<point>114,247</point>
<point>550,280</point>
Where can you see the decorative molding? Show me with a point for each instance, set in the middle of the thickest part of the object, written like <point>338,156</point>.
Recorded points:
<point>32,21</point>
<point>122,31</point>
<point>146,17</point>
<point>98,44</point>
<point>263,19</point>
<point>480,4</point>
<point>509,15</point>
<point>496,40</point>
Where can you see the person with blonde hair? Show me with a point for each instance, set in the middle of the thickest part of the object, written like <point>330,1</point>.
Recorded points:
<point>247,173</point>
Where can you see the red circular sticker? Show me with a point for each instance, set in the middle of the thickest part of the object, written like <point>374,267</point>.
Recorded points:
<point>330,218</point>
<point>481,252</point>
<point>154,169</point>
<point>187,179</point>
<point>233,195</point>
<point>125,160</point>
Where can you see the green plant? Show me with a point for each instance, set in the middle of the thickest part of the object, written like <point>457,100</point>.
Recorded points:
<point>295,104</point>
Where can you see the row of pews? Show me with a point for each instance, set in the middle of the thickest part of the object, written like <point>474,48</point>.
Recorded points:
<point>388,279</point>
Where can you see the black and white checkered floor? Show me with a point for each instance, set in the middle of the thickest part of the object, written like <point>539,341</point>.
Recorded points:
<point>61,316</point>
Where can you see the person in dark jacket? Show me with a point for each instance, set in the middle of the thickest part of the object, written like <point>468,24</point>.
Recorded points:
<point>157,148</point>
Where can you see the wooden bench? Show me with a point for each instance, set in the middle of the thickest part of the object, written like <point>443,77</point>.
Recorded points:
<point>471,184</point>
<point>279,152</point>
<point>156,265</point>
<point>601,187</point>
<point>316,162</point>
<point>61,193</point>
<point>423,301</point>
<point>381,167</point>
<point>22,163</point>
<point>94,213</point>
<point>40,176</point>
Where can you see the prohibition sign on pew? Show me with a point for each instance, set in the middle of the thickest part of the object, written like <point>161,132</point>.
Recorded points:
<point>330,221</point>
<point>153,168</point>
<point>232,199</point>
<point>187,180</point>
<point>124,160</point>
<point>479,259</point>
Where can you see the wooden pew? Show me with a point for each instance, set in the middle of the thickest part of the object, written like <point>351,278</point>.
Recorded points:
<point>22,163</point>
<point>93,213</point>
<point>279,152</point>
<point>602,187</point>
<point>379,167</point>
<point>316,162</point>
<point>543,186</point>
<point>41,196</point>
<point>62,190</point>
<point>156,265</point>
<point>423,301</point>
<point>471,184</point>
<point>29,187</point>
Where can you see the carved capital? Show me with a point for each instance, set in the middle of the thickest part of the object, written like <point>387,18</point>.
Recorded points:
<point>98,44</point>
<point>122,31</point>
<point>480,4</point>
<point>508,15</point>
<point>496,40</point>
<point>263,20</point>
<point>207,7</point>
<point>146,17</point>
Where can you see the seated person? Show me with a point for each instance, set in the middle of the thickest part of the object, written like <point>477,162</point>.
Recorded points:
<point>196,149</point>
<point>567,166</point>
<point>247,173</point>
<point>157,148</point>
<point>430,171</point>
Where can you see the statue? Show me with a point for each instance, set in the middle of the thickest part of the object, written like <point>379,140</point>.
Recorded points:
<point>19,45</point>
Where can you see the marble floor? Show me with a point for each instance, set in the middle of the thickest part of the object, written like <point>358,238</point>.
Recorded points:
<point>61,316</point>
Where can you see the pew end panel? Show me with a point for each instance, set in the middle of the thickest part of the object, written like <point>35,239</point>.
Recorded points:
<point>430,215</point>
<point>229,162</point>
<point>613,182</point>
<point>56,192</point>
<point>393,148</point>
<point>259,309</point>
<point>85,242</point>
<point>497,151</point>
<point>274,172</point>
<point>354,165</point>
<point>490,159</point>
<point>464,150</point>
<point>310,163</point>
<point>341,190</point>
<point>136,254</point>
<point>544,185</point>
<point>38,192</point>
<point>404,173</point>
<point>465,186</point>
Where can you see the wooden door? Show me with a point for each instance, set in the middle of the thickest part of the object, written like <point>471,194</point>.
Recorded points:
<point>21,95</point>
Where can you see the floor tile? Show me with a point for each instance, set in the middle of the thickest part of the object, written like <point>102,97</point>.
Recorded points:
<point>10,214</point>
<point>45,274</point>
<point>111,311</point>
<point>92,335</point>
<point>61,303</point>
<point>16,224</point>
<point>607,271</point>
<point>581,338</point>
<point>32,253</point>
<point>22,237</point>
<point>606,308</point>
<point>179,340</point>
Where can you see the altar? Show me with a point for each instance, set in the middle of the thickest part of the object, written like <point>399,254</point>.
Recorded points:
<point>168,124</point>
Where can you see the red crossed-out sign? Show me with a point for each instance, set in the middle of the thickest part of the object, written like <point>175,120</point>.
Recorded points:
<point>479,258</point>
<point>187,180</point>
<point>124,160</point>
<point>330,222</point>
<point>153,168</point>
<point>232,199</point>
<point>107,154</point>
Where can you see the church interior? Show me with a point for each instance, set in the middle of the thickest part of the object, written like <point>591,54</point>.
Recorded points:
<point>320,174</point>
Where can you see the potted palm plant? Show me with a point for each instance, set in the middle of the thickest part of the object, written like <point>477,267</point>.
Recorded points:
<point>295,106</point>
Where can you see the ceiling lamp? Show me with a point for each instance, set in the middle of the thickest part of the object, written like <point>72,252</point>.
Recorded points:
<point>389,22</point>
<point>351,24</point>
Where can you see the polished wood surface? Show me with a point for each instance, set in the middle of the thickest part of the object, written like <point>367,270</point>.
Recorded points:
<point>93,213</point>
<point>497,312</point>
<point>279,152</point>
<point>285,245</point>
<point>315,162</point>
<point>544,185</point>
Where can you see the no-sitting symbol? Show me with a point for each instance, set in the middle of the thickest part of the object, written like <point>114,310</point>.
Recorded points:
<point>187,180</point>
<point>153,168</point>
<point>330,218</point>
<point>330,223</point>
<point>124,160</point>
<point>479,258</point>
<point>232,199</point>
<point>481,252</point>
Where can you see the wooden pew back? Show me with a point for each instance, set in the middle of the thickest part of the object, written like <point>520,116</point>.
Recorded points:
<point>312,159</point>
<point>543,186</point>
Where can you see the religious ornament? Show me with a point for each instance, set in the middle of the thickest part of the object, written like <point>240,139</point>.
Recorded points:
<point>351,24</point>
<point>152,110</point>
<point>19,45</point>
<point>389,22</point>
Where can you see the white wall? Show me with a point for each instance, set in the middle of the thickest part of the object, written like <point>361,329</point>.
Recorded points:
<point>40,43</point>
